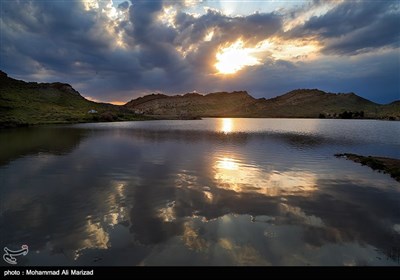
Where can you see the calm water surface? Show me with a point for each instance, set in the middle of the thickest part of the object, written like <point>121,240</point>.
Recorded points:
<point>201,192</point>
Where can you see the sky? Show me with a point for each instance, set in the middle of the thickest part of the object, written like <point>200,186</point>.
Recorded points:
<point>115,51</point>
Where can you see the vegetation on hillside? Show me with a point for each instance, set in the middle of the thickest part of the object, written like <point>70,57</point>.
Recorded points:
<point>23,104</point>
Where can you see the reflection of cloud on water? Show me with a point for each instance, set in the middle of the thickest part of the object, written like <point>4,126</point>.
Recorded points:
<point>309,220</point>
<point>167,213</point>
<point>185,180</point>
<point>334,214</point>
<point>191,238</point>
<point>156,191</point>
<point>242,254</point>
<point>58,225</point>
<point>96,238</point>
<point>94,234</point>
<point>116,213</point>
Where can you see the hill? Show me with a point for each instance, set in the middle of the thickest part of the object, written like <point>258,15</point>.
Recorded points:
<point>301,103</point>
<point>219,104</point>
<point>23,103</point>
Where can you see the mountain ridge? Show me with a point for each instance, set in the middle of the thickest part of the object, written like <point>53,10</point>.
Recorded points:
<point>299,103</point>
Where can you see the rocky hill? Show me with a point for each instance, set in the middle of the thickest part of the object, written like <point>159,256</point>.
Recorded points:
<point>23,103</point>
<point>218,104</point>
<point>301,103</point>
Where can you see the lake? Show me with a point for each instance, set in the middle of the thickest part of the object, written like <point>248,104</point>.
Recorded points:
<point>200,192</point>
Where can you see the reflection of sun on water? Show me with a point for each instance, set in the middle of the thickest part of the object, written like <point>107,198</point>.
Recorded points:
<point>227,125</point>
<point>235,175</point>
<point>227,163</point>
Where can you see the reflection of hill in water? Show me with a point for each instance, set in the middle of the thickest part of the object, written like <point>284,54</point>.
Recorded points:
<point>20,142</point>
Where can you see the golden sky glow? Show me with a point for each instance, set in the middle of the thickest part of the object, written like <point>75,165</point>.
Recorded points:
<point>112,102</point>
<point>292,50</point>
<point>117,102</point>
<point>237,56</point>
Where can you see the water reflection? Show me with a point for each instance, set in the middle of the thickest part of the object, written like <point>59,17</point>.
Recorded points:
<point>242,254</point>
<point>236,175</point>
<point>192,239</point>
<point>226,125</point>
<point>227,163</point>
<point>116,199</point>
<point>130,197</point>
<point>25,141</point>
<point>96,237</point>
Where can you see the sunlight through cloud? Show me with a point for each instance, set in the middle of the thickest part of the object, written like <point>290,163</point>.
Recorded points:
<point>234,58</point>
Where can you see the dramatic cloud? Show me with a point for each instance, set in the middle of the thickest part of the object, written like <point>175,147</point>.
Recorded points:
<point>353,27</point>
<point>118,50</point>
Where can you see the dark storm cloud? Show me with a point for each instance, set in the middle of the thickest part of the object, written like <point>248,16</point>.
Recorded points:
<point>65,43</point>
<point>61,41</point>
<point>365,39</point>
<point>50,35</point>
<point>252,28</point>
<point>142,15</point>
<point>354,27</point>
<point>154,39</point>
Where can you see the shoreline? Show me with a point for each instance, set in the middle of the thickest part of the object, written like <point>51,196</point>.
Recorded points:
<point>390,166</point>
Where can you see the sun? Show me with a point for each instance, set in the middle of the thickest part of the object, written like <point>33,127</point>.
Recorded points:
<point>234,58</point>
